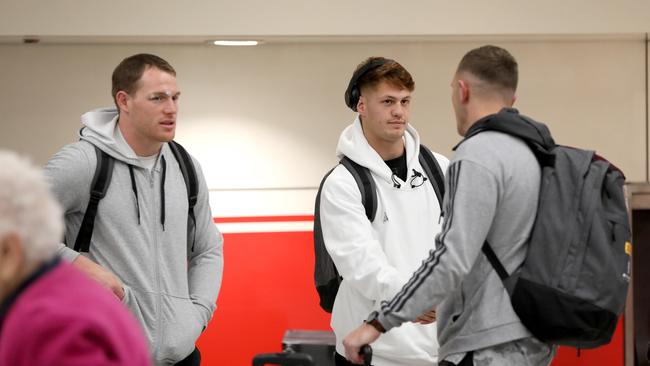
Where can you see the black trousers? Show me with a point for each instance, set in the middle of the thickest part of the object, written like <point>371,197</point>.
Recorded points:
<point>194,359</point>
<point>341,361</point>
<point>468,360</point>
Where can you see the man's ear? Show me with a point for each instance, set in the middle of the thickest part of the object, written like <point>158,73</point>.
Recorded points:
<point>514,99</point>
<point>361,104</point>
<point>12,258</point>
<point>463,90</point>
<point>121,99</point>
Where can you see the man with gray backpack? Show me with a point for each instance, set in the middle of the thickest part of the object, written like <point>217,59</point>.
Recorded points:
<point>534,249</point>
<point>137,213</point>
<point>376,213</point>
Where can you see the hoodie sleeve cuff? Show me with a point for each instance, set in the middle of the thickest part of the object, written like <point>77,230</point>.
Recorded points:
<point>204,312</point>
<point>66,253</point>
<point>385,321</point>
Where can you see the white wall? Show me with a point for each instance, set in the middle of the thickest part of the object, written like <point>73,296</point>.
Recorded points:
<point>264,121</point>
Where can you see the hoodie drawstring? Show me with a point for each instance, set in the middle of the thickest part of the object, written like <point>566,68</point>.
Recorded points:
<point>163,164</point>
<point>135,192</point>
<point>396,184</point>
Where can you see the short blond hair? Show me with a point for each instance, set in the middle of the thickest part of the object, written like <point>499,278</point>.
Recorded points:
<point>27,208</point>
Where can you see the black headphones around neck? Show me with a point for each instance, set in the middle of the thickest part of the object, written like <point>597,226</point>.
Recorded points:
<point>352,93</point>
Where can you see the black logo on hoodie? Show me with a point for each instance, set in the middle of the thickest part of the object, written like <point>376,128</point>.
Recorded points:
<point>417,179</point>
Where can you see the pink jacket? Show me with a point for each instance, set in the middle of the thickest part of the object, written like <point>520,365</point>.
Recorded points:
<point>64,318</point>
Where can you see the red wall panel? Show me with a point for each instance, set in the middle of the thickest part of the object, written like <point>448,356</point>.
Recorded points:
<point>268,288</point>
<point>608,355</point>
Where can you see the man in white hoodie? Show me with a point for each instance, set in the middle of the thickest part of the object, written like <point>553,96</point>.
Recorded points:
<point>140,248</point>
<point>376,258</point>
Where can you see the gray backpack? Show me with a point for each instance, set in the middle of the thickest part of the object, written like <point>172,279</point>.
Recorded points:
<point>572,287</point>
<point>326,276</point>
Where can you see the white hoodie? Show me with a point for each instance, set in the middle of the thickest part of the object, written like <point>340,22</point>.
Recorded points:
<point>376,259</point>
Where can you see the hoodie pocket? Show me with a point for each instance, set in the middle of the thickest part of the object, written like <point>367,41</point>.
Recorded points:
<point>458,303</point>
<point>181,328</point>
<point>141,309</point>
<point>128,297</point>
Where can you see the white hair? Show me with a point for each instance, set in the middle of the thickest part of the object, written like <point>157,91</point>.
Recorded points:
<point>28,209</point>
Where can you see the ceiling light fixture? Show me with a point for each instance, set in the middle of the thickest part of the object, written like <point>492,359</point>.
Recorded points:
<point>234,43</point>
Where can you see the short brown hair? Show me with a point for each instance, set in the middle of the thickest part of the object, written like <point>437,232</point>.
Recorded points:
<point>493,65</point>
<point>390,71</point>
<point>129,71</point>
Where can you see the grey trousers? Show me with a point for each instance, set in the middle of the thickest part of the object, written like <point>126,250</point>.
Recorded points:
<point>522,352</point>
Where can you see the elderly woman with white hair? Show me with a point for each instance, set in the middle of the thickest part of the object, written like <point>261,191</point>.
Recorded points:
<point>50,313</point>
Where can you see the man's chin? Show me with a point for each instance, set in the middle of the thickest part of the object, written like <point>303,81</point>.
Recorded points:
<point>394,136</point>
<point>166,138</point>
<point>399,132</point>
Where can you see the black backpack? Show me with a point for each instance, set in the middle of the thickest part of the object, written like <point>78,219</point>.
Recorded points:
<point>572,286</point>
<point>102,179</point>
<point>326,276</point>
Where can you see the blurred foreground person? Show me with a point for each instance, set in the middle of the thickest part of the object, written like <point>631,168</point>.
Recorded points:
<point>50,313</point>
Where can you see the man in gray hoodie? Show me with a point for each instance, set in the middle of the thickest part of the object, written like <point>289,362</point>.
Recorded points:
<point>492,194</point>
<point>140,248</point>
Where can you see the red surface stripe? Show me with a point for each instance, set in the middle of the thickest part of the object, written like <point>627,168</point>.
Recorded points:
<point>221,220</point>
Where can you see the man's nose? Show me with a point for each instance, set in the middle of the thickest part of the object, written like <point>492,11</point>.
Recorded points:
<point>171,107</point>
<point>398,110</point>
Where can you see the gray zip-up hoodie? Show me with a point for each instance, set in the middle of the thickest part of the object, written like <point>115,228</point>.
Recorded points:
<point>140,234</point>
<point>492,193</point>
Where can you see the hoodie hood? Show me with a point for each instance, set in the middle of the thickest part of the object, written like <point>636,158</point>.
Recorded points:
<point>101,129</point>
<point>354,145</point>
<point>509,120</point>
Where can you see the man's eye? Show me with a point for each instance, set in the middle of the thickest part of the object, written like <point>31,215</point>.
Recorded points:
<point>406,102</point>
<point>388,102</point>
<point>156,98</point>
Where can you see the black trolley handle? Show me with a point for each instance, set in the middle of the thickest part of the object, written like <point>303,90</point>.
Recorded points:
<point>366,353</point>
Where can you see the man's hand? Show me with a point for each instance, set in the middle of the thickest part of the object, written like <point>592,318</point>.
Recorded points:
<point>100,274</point>
<point>428,317</point>
<point>365,334</point>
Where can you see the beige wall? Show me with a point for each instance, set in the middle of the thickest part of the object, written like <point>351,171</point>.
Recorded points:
<point>205,18</point>
<point>268,118</point>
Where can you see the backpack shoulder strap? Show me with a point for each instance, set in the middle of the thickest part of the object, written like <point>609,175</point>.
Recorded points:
<point>494,261</point>
<point>433,171</point>
<point>191,183</point>
<point>509,280</point>
<point>98,188</point>
<point>326,276</point>
<point>366,184</point>
<point>187,169</point>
